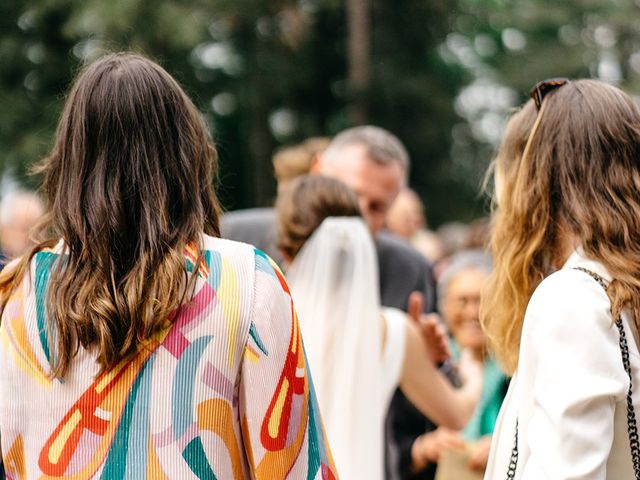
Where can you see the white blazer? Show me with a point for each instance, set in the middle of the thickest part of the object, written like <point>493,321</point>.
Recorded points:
<point>569,391</point>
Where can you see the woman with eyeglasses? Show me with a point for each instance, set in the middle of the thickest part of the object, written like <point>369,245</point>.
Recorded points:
<point>562,306</point>
<point>134,342</point>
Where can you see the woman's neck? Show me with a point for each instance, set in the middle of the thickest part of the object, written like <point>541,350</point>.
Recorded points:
<point>565,244</point>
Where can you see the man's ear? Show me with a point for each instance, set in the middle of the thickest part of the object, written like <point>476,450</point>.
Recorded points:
<point>315,168</point>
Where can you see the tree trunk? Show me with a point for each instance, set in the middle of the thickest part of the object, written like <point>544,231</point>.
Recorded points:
<point>359,18</point>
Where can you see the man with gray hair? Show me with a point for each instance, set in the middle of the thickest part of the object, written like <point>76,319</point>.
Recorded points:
<point>373,163</point>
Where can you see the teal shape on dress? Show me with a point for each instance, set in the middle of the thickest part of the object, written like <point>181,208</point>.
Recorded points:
<point>44,263</point>
<point>183,383</point>
<point>196,458</point>
<point>116,462</point>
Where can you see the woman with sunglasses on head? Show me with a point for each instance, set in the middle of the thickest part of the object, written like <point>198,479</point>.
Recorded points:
<point>562,305</point>
<point>134,342</point>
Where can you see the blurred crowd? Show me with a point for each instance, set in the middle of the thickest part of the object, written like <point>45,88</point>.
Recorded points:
<point>20,212</point>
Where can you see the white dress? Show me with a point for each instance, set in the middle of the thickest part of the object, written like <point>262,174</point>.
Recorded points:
<point>393,352</point>
<point>334,281</point>
<point>569,392</point>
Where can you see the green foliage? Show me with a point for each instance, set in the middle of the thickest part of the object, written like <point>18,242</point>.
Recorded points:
<point>567,38</point>
<point>32,49</point>
<point>266,73</point>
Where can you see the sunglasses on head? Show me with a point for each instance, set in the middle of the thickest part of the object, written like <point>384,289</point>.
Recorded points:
<point>542,89</point>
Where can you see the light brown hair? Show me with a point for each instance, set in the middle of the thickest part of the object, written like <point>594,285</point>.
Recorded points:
<point>295,160</point>
<point>305,203</point>
<point>129,184</point>
<point>572,167</point>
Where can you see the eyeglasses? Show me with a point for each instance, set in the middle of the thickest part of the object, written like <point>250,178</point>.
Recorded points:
<point>542,89</point>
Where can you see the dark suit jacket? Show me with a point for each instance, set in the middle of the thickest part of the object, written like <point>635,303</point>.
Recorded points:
<point>256,226</point>
<point>402,268</point>
<point>402,271</point>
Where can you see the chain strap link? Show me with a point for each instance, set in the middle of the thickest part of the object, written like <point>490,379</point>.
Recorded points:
<point>513,462</point>
<point>632,424</point>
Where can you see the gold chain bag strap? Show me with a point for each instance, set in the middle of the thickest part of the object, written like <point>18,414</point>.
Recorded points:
<point>632,425</point>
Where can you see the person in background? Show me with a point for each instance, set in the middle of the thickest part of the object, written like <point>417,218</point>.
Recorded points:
<point>135,342</point>
<point>359,353</point>
<point>292,161</point>
<point>406,218</point>
<point>428,243</point>
<point>478,234</point>
<point>20,212</point>
<point>459,293</point>
<point>406,215</point>
<point>257,226</point>
<point>453,236</point>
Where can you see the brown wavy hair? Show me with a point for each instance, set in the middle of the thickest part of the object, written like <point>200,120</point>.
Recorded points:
<point>129,184</point>
<point>571,170</point>
<point>305,203</point>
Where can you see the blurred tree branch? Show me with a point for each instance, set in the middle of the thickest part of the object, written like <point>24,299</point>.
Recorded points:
<point>359,21</point>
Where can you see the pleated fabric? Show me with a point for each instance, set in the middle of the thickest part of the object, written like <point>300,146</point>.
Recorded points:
<point>223,392</point>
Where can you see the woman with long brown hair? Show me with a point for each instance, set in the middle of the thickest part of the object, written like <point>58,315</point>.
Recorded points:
<point>562,307</point>
<point>134,343</point>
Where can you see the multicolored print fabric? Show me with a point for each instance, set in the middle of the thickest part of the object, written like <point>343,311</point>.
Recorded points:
<point>223,392</point>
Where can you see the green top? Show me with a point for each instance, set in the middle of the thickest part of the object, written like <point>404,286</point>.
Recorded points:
<point>486,414</point>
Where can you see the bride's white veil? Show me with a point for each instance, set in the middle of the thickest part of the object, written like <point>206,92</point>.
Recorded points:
<point>334,283</point>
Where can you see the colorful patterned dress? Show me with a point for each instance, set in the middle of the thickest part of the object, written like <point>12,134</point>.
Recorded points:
<point>222,393</point>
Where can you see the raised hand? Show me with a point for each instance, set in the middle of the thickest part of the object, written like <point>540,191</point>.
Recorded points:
<point>431,327</point>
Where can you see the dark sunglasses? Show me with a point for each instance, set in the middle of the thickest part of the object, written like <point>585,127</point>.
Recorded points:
<point>542,89</point>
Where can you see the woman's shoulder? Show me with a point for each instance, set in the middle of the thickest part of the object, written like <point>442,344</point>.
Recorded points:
<point>227,247</point>
<point>569,306</point>
<point>244,259</point>
<point>577,281</point>
<point>569,287</point>
<point>235,254</point>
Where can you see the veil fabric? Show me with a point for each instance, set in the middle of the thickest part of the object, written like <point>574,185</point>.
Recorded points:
<point>334,283</point>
